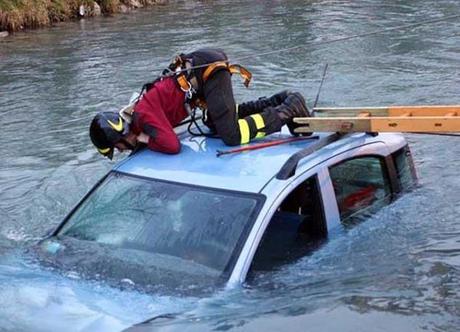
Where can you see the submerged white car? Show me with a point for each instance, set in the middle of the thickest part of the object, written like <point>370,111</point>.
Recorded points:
<point>194,220</point>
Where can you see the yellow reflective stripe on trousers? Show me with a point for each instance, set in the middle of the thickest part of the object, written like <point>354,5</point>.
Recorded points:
<point>244,131</point>
<point>260,123</point>
<point>259,120</point>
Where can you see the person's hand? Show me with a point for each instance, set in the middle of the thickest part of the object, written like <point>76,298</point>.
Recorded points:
<point>143,138</point>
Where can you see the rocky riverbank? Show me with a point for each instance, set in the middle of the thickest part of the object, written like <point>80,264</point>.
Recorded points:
<point>16,15</point>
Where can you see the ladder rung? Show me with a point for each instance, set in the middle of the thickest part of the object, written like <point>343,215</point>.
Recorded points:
<point>380,124</point>
<point>427,110</point>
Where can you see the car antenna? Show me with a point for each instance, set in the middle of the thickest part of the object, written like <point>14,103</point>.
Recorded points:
<point>319,90</point>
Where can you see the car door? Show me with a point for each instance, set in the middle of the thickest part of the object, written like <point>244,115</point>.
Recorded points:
<point>361,186</point>
<point>330,216</point>
<point>296,227</point>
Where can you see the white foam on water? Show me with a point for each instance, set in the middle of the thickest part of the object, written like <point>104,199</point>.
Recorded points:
<point>37,300</point>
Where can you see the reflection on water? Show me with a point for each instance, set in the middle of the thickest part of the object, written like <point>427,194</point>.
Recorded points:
<point>399,271</point>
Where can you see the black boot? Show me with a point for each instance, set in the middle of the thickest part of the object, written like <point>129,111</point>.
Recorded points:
<point>294,106</point>
<point>274,118</point>
<point>257,106</point>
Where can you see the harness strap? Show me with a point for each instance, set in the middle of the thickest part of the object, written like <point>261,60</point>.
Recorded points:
<point>188,87</point>
<point>183,82</point>
<point>233,69</point>
<point>126,113</point>
<point>192,102</point>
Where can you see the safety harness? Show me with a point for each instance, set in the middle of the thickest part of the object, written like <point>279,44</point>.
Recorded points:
<point>182,69</point>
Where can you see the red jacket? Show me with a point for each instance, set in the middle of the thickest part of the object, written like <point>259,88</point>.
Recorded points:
<point>157,113</point>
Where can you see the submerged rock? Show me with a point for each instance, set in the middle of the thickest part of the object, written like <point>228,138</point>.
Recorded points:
<point>4,34</point>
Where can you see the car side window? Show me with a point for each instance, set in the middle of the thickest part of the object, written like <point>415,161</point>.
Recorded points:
<point>297,227</point>
<point>405,170</point>
<point>361,187</point>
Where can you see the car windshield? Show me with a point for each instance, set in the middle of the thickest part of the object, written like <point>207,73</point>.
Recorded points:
<point>197,225</point>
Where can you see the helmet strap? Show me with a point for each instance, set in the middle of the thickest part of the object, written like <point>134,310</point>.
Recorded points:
<point>128,144</point>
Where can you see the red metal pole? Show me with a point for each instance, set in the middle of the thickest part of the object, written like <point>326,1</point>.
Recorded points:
<point>264,145</point>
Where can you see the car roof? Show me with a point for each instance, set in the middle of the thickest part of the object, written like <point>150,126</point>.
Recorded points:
<point>197,163</point>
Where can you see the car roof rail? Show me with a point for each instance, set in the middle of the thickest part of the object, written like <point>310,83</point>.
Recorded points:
<point>289,167</point>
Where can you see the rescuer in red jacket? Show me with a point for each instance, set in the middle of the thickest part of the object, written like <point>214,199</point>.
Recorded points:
<point>199,79</point>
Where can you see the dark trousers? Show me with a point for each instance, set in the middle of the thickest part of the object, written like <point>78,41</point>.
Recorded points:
<point>238,126</point>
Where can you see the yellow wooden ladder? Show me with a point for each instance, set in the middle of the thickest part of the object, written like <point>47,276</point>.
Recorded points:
<point>429,119</point>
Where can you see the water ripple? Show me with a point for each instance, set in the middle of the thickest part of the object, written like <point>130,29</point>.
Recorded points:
<point>401,266</point>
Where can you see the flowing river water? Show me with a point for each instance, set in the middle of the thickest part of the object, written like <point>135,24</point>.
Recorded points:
<point>398,271</point>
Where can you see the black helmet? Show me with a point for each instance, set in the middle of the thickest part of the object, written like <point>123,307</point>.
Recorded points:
<point>107,129</point>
